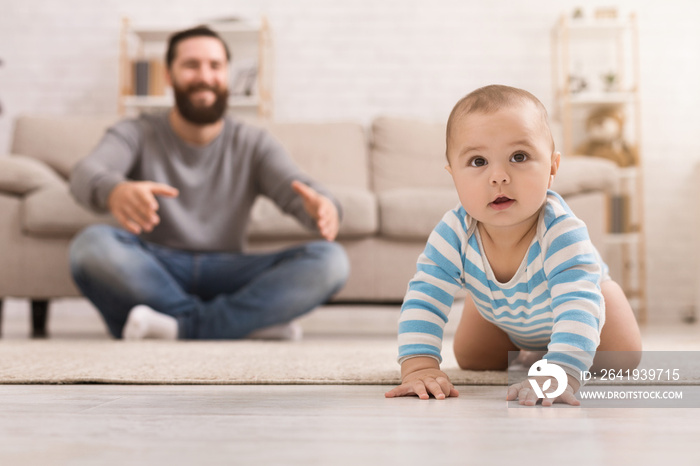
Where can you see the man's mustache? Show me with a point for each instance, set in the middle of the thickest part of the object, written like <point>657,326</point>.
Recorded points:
<point>202,87</point>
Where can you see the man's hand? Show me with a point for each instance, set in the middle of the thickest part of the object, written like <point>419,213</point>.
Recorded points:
<point>526,396</point>
<point>134,205</point>
<point>422,376</point>
<point>320,208</point>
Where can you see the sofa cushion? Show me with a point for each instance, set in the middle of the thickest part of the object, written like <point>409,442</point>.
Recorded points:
<point>20,174</point>
<point>412,213</point>
<point>408,154</point>
<point>335,154</point>
<point>581,174</point>
<point>359,217</point>
<point>60,142</point>
<point>52,211</point>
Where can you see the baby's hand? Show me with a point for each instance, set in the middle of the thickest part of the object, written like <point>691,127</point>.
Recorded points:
<point>425,383</point>
<point>525,395</point>
<point>423,377</point>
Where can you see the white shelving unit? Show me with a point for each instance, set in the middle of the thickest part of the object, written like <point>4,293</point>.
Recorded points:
<point>583,52</point>
<point>250,45</point>
<point>602,98</point>
<point>149,102</point>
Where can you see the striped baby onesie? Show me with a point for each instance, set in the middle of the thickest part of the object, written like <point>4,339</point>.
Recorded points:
<point>553,302</point>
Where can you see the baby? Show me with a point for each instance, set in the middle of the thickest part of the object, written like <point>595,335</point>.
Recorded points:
<point>534,280</point>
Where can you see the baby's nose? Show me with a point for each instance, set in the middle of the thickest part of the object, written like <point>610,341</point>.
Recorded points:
<point>499,176</point>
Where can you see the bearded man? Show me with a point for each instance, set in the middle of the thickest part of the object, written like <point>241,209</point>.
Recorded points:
<point>181,184</point>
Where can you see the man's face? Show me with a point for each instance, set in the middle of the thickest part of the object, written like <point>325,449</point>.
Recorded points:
<point>502,164</point>
<point>199,76</point>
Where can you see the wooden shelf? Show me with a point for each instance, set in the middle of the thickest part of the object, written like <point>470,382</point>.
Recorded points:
<point>584,50</point>
<point>599,25</point>
<point>250,44</point>
<point>601,98</point>
<point>152,102</point>
<point>228,32</point>
<point>623,238</point>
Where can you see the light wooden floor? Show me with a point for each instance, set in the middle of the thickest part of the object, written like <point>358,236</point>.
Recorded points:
<point>323,425</point>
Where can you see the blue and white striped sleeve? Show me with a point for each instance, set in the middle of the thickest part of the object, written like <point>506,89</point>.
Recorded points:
<point>574,273</point>
<point>431,292</point>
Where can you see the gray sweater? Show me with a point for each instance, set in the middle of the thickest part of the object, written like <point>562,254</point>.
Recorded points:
<point>218,183</point>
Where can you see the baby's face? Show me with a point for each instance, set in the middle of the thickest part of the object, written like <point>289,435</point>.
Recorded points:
<point>502,164</point>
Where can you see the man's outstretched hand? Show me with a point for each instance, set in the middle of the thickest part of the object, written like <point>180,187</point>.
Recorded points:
<point>134,204</point>
<point>320,208</point>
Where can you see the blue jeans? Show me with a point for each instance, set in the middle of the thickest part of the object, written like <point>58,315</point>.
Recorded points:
<point>212,295</point>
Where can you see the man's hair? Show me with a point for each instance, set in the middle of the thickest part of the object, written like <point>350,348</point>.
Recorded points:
<point>490,99</point>
<point>198,31</point>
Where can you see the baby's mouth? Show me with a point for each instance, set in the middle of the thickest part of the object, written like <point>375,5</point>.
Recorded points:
<point>502,202</point>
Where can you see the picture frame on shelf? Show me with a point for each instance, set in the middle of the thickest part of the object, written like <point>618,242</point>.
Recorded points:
<point>244,75</point>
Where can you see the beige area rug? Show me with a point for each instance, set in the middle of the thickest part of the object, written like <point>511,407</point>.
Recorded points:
<point>332,361</point>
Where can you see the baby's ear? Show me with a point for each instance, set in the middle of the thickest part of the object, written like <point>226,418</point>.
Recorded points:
<point>556,158</point>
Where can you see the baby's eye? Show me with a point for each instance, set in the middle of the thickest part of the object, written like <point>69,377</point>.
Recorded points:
<point>519,157</point>
<point>477,162</point>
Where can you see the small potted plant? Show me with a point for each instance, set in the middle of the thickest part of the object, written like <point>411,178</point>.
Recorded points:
<point>609,81</point>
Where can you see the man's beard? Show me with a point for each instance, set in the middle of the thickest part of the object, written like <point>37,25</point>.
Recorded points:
<point>200,115</point>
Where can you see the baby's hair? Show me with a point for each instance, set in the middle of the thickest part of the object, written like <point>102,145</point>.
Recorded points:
<point>490,99</point>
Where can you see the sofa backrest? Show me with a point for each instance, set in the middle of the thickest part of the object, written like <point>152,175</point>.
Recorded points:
<point>58,141</point>
<point>334,153</point>
<point>408,154</point>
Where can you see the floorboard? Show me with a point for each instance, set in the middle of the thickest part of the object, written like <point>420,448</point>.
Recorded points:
<point>323,425</point>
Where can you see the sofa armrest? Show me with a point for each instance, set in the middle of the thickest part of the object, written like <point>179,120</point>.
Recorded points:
<point>20,174</point>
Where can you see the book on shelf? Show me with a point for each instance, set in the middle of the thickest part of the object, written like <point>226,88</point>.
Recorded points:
<point>620,214</point>
<point>148,77</point>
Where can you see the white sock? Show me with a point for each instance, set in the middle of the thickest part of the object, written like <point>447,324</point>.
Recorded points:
<point>290,331</point>
<point>144,322</point>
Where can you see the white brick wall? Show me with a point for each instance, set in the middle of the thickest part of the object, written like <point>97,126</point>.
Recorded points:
<point>342,59</point>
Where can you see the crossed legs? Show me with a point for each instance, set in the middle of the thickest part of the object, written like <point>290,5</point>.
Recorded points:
<point>212,295</point>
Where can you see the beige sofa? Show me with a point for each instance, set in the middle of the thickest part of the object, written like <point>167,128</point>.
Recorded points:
<point>389,177</point>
